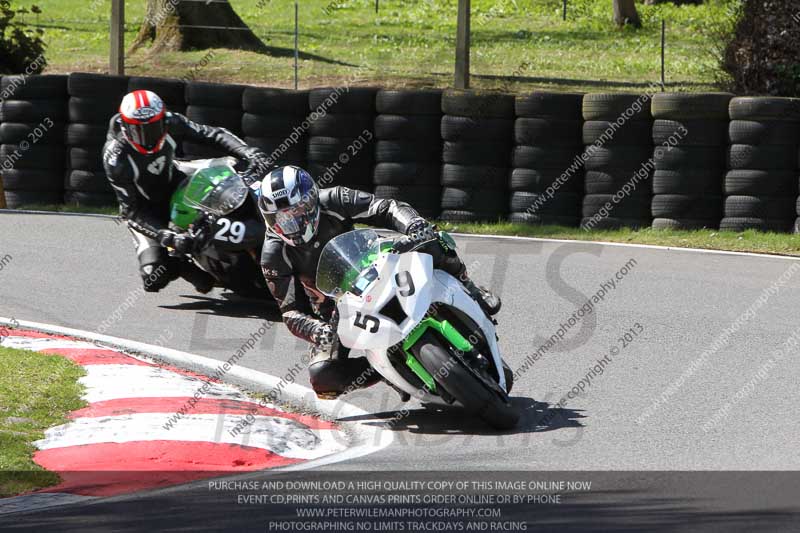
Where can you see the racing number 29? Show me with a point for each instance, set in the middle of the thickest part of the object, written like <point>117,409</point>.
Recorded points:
<point>236,229</point>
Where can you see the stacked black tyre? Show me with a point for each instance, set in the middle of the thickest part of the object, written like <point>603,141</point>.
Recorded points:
<point>618,161</point>
<point>761,183</point>
<point>33,116</point>
<point>341,149</point>
<point>172,92</point>
<point>545,186</point>
<point>689,133</point>
<point>275,121</point>
<point>477,131</point>
<point>94,100</point>
<point>214,104</point>
<point>408,150</point>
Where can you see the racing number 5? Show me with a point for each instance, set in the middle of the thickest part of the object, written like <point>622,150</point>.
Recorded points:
<point>367,322</point>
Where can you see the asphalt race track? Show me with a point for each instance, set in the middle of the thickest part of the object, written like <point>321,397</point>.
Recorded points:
<point>675,305</point>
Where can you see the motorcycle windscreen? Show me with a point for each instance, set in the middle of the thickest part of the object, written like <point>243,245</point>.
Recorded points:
<point>218,190</point>
<point>181,213</point>
<point>343,261</point>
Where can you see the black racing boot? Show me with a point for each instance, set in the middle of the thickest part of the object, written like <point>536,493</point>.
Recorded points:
<point>157,269</point>
<point>332,376</point>
<point>202,281</point>
<point>489,302</point>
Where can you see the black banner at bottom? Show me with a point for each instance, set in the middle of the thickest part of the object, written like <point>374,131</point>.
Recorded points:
<point>345,501</point>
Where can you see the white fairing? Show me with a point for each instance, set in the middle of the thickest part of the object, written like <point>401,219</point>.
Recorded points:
<point>386,333</point>
<point>363,325</point>
<point>190,167</point>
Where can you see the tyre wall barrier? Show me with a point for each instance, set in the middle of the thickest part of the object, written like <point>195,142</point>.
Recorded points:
<point>689,133</point>
<point>670,160</point>
<point>547,177</point>
<point>274,121</point>
<point>341,145</point>
<point>477,133</point>
<point>33,118</point>
<point>216,105</point>
<point>93,100</point>
<point>762,162</point>
<point>408,148</point>
<point>619,151</point>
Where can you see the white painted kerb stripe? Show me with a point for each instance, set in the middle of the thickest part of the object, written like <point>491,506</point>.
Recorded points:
<point>112,382</point>
<point>44,344</point>
<point>278,435</point>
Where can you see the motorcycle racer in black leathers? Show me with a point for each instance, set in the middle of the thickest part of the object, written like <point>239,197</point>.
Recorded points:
<point>301,219</point>
<point>138,161</point>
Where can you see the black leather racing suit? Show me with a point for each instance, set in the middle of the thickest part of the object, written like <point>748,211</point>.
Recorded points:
<point>331,371</point>
<point>144,185</point>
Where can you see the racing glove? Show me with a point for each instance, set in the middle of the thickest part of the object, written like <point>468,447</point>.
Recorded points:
<point>258,165</point>
<point>323,335</point>
<point>419,231</point>
<point>202,234</point>
<point>182,243</point>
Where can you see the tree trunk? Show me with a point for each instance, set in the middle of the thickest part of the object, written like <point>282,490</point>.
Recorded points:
<point>175,25</point>
<point>625,13</point>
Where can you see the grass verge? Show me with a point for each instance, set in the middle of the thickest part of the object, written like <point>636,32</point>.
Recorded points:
<point>747,241</point>
<point>71,208</point>
<point>517,45</point>
<point>36,392</point>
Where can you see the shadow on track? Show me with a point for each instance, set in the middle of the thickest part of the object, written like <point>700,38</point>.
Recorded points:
<point>229,304</point>
<point>535,417</point>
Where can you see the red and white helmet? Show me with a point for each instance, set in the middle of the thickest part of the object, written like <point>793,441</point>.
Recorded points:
<point>143,121</point>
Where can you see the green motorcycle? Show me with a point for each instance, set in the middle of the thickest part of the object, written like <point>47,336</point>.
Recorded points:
<point>220,211</point>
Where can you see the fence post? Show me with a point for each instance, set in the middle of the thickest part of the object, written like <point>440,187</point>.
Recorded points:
<point>663,56</point>
<point>462,45</point>
<point>296,43</point>
<point>117,59</point>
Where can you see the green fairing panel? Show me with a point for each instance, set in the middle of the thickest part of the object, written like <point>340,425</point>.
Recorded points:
<point>182,214</point>
<point>205,181</point>
<point>444,328</point>
<point>215,189</point>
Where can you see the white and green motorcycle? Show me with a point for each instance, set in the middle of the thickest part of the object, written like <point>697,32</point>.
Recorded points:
<point>418,326</point>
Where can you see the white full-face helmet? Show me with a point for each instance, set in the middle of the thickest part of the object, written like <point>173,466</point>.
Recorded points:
<point>289,203</point>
